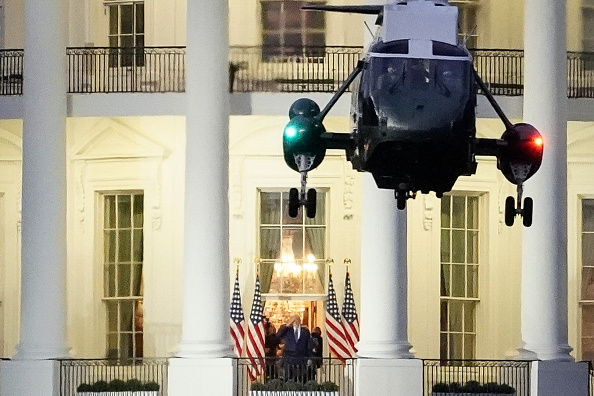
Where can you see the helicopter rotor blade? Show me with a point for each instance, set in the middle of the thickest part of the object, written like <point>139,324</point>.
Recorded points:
<point>356,9</point>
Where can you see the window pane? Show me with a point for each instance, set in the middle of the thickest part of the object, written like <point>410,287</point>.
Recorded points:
<point>315,20</point>
<point>445,211</point>
<point>469,317</point>
<point>138,246</point>
<point>455,319</point>
<point>588,321</point>
<point>588,249</point>
<point>445,246</point>
<point>472,212</point>
<point>137,280</point>
<point>112,316</point>
<point>138,210</point>
<point>588,215</point>
<point>126,315</point>
<point>124,246</point>
<point>127,19</point>
<point>123,280</point>
<point>270,209</point>
<point>588,283</point>
<point>293,43</point>
<point>456,346</point>
<point>588,349</point>
<point>271,12</point>
<point>110,212</point>
<point>292,12</point>
<point>270,243</point>
<point>140,18</point>
<point>443,322</point>
<point>124,211</point>
<point>314,243</point>
<point>445,280</point>
<point>472,247</point>
<point>458,212</point>
<point>472,280</point>
<point>468,346</point>
<point>458,281</point>
<point>126,346</point>
<point>316,40</point>
<point>110,278</point>
<point>113,19</point>
<point>112,346</point>
<point>110,246</point>
<point>458,245</point>
<point>292,243</point>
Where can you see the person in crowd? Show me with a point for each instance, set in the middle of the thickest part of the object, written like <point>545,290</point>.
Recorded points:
<point>271,344</point>
<point>297,349</point>
<point>317,352</point>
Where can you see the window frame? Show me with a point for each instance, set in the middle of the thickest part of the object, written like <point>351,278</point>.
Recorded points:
<point>582,302</point>
<point>303,226</point>
<point>117,301</point>
<point>283,52</point>
<point>448,299</point>
<point>126,55</point>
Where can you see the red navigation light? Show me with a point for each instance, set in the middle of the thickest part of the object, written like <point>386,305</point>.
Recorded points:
<point>538,141</point>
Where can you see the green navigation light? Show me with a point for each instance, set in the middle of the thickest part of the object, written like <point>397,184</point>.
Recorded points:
<point>290,131</point>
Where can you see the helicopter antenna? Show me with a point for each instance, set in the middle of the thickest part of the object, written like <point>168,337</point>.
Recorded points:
<point>368,28</point>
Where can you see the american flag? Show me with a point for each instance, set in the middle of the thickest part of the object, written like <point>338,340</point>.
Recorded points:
<point>256,332</point>
<point>350,319</point>
<point>237,320</point>
<point>337,342</point>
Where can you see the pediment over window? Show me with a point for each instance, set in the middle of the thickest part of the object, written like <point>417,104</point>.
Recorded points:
<point>11,148</point>
<point>110,138</point>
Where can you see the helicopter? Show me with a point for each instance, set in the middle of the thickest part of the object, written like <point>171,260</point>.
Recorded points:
<point>413,113</point>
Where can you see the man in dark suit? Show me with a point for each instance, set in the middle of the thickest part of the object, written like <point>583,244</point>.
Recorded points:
<point>297,350</point>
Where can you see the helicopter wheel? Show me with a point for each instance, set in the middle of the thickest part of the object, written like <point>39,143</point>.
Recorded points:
<point>527,212</point>
<point>400,199</point>
<point>293,202</point>
<point>510,211</point>
<point>310,205</point>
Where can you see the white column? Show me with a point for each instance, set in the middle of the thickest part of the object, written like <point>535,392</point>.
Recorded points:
<point>384,314</point>
<point>43,269</point>
<point>544,259</point>
<point>205,326</point>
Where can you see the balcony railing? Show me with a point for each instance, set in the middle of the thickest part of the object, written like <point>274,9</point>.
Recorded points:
<point>275,369</point>
<point>474,373</point>
<point>75,373</point>
<point>147,69</point>
<point>11,72</point>
<point>254,69</point>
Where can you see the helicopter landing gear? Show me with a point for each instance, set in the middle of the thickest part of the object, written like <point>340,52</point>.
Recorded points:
<point>401,195</point>
<point>511,210</point>
<point>297,199</point>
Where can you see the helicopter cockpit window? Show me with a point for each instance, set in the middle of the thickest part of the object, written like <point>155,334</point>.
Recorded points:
<point>415,93</point>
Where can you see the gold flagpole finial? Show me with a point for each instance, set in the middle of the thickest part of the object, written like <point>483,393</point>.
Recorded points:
<point>329,261</point>
<point>237,262</point>
<point>347,263</point>
<point>258,262</point>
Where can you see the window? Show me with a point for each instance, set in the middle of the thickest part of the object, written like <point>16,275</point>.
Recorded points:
<point>123,216</point>
<point>293,251</point>
<point>587,295</point>
<point>467,10</point>
<point>289,31</point>
<point>459,276</point>
<point>126,32</point>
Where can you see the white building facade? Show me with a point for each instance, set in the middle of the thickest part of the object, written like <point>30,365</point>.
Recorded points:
<point>119,291</point>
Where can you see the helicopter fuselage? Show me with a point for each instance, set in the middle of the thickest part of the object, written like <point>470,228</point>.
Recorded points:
<point>413,118</point>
